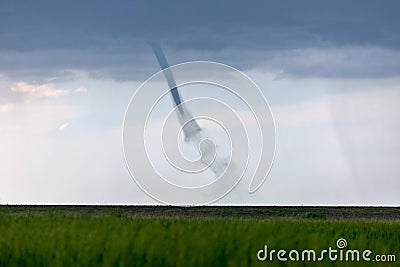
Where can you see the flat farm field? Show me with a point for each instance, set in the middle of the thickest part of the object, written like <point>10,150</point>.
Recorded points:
<point>198,236</point>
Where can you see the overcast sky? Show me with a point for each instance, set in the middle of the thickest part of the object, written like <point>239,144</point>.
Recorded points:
<point>329,70</point>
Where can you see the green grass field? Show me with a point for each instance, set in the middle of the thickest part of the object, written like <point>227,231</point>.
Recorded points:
<point>65,237</point>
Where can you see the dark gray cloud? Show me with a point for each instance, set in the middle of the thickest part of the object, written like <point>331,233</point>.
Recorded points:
<point>46,38</point>
<point>68,24</point>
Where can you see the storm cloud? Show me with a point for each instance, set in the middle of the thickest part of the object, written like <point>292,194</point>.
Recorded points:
<point>341,39</point>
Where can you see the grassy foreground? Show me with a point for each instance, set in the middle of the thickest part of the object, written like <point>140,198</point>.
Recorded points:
<point>58,239</point>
